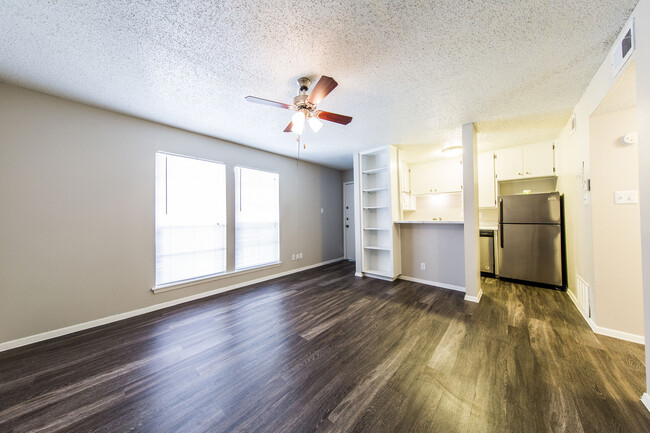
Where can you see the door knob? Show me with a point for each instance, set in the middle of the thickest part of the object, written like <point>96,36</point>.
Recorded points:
<point>347,226</point>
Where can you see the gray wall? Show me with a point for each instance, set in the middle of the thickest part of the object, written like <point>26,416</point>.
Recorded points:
<point>347,176</point>
<point>439,246</point>
<point>77,213</point>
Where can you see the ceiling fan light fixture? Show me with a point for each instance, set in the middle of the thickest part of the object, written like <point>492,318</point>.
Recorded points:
<point>298,120</point>
<point>314,124</point>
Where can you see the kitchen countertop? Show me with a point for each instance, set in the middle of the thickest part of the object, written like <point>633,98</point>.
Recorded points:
<point>430,222</point>
<point>482,226</point>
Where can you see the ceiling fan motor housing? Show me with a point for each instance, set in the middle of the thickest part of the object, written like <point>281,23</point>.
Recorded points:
<point>304,83</point>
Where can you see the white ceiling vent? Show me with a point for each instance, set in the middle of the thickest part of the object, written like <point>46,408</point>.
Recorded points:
<point>623,48</point>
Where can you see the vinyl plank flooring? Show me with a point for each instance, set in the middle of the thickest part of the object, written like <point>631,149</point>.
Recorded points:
<point>325,351</point>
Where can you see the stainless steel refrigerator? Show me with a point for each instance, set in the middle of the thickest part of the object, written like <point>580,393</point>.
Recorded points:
<point>530,238</point>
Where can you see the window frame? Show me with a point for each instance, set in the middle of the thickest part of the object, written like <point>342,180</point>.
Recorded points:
<point>162,287</point>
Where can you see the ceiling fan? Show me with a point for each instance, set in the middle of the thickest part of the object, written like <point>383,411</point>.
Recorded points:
<point>305,105</point>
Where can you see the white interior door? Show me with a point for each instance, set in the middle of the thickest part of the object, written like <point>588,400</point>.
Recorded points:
<point>348,220</point>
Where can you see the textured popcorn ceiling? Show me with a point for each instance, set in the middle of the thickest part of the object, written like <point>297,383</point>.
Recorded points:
<point>409,72</point>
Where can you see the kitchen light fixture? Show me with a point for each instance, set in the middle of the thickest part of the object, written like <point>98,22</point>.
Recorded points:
<point>452,149</point>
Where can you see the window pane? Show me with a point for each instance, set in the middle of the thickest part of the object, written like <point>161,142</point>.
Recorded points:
<point>190,218</point>
<point>257,218</point>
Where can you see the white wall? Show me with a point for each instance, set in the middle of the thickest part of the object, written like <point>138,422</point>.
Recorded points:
<point>617,246</point>
<point>573,150</point>
<point>448,206</point>
<point>77,213</point>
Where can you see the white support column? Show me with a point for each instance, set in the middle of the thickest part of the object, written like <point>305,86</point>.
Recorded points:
<point>470,209</point>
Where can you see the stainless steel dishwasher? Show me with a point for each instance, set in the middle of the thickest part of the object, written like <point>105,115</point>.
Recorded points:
<point>487,252</point>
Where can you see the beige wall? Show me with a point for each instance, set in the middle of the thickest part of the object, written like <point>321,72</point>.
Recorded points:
<point>617,246</point>
<point>77,213</point>
<point>573,153</point>
<point>642,13</point>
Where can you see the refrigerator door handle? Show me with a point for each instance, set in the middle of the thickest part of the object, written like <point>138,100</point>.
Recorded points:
<point>501,222</point>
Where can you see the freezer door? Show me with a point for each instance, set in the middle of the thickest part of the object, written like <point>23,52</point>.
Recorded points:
<point>530,209</point>
<point>531,252</point>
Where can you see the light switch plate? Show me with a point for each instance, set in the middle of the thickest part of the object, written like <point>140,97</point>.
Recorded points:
<point>626,197</point>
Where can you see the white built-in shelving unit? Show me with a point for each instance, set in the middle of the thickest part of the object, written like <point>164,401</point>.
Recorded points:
<point>376,173</point>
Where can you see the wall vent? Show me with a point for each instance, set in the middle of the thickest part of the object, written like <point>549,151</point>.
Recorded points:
<point>623,48</point>
<point>584,295</point>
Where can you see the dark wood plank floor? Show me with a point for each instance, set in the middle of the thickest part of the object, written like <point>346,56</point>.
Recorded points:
<point>323,351</point>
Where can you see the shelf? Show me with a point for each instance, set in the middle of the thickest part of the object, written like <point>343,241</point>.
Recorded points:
<point>376,272</point>
<point>375,170</point>
<point>375,228</point>
<point>376,189</point>
<point>370,247</point>
<point>375,207</point>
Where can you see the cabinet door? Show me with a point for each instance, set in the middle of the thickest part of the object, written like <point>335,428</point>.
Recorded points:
<point>486,181</point>
<point>449,175</point>
<point>421,181</point>
<point>404,178</point>
<point>539,159</point>
<point>508,164</point>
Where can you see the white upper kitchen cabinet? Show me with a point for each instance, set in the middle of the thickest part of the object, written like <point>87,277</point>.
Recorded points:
<point>443,175</point>
<point>539,159</point>
<point>508,164</point>
<point>527,161</point>
<point>404,178</point>
<point>487,197</point>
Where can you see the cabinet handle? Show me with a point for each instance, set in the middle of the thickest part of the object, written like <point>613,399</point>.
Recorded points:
<point>528,172</point>
<point>520,174</point>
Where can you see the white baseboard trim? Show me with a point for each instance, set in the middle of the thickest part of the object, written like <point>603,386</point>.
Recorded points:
<point>358,274</point>
<point>476,298</point>
<point>110,319</point>
<point>433,283</point>
<point>645,399</point>
<point>640,339</point>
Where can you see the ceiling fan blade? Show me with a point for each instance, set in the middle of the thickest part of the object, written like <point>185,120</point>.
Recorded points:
<point>268,102</point>
<point>333,117</point>
<point>323,88</point>
<point>289,127</point>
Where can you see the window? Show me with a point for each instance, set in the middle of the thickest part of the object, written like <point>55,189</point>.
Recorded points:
<point>190,218</point>
<point>257,218</point>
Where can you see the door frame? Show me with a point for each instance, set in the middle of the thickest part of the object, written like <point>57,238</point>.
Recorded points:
<point>345,235</point>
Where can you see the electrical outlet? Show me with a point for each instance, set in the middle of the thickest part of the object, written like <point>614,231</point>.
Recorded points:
<point>423,266</point>
<point>293,257</point>
<point>300,255</point>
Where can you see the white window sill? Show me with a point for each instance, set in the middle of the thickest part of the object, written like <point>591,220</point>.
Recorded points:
<point>208,278</point>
